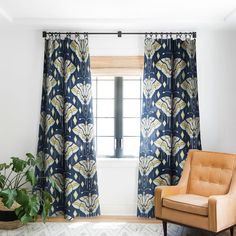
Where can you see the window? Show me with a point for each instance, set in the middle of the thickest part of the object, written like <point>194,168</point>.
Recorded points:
<point>117,108</point>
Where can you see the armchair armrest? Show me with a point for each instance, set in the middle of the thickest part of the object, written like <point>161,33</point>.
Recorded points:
<point>222,208</point>
<point>221,211</point>
<point>162,191</point>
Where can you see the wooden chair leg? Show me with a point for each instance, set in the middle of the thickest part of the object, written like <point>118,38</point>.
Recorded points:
<point>232,231</point>
<point>164,224</point>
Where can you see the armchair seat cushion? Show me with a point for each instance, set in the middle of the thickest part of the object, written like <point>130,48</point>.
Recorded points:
<point>194,204</point>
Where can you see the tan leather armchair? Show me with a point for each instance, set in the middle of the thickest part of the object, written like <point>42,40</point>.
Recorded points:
<point>205,196</point>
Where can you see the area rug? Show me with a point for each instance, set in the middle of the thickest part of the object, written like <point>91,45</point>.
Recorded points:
<point>91,229</point>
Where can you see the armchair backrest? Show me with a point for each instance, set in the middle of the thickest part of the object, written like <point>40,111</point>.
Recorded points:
<point>210,172</point>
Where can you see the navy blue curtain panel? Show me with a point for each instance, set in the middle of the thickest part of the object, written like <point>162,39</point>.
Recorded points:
<point>170,116</point>
<point>66,133</point>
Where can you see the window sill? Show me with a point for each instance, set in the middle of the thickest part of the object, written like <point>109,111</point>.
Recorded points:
<point>106,162</point>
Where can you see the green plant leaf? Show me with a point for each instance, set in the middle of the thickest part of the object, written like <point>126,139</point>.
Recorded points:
<point>8,197</point>
<point>30,205</point>
<point>34,206</point>
<point>18,164</point>
<point>32,160</point>
<point>19,211</point>
<point>22,197</point>
<point>47,204</point>
<point>25,219</point>
<point>2,181</point>
<point>47,196</point>
<point>44,214</point>
<point>30,156</point>
<point>4,166</point>
<point>30,202</point>
<point>40,162</point>
<point>30,176</point>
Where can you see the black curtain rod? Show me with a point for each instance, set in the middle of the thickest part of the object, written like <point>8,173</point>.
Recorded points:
<point>119,33</point>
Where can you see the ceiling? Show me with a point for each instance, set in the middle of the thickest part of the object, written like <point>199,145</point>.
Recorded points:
<point>132,15</point>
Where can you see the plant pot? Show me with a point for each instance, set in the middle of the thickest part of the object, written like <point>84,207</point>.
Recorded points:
<point>8,218</point>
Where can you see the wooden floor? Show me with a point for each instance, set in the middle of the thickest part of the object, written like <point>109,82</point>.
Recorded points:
<point>173,230</point>
<point>128,219</point>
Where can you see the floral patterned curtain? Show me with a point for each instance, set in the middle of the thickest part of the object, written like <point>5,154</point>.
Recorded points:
<point>66,133</point>
<point>170,115</point>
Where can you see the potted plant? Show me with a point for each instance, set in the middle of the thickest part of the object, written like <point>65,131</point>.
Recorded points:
<point>19,204</point>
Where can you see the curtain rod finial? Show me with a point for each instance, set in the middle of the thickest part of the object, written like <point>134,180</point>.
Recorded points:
<point>194,35</point>
<point>44,34</point>
<point>119,34</point>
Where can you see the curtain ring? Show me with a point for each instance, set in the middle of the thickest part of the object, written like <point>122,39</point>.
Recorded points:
<point>86,35</point>
<point>151,34</point>
<point>161,37</point>
<point>77,36</point>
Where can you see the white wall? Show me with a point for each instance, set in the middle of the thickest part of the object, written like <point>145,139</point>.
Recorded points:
<point>21,56</point>
<point>217,89</point>
<point>21,65</point>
